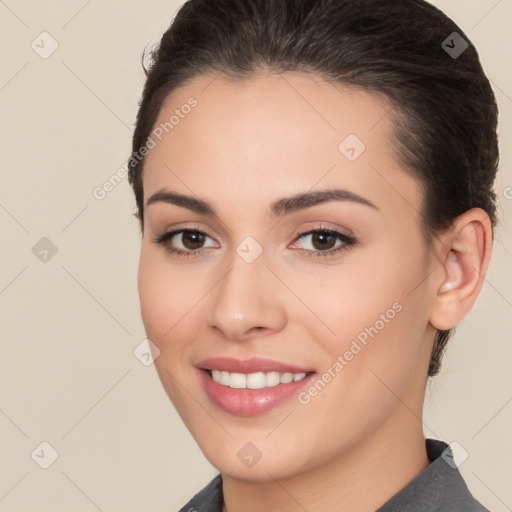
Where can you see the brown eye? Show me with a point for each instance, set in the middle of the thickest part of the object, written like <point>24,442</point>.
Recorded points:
<point>185,242</point>
<point>192,239</point>
<point>323,241</point>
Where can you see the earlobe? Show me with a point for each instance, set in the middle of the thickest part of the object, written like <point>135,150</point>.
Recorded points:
<point>466,256</point>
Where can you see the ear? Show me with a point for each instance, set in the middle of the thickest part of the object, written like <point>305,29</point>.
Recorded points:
<point>464,257</point>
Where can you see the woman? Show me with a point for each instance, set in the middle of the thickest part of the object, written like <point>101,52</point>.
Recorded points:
<point>313,181</point>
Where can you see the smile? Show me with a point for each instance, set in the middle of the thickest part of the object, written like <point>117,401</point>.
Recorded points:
<point>251,387</point>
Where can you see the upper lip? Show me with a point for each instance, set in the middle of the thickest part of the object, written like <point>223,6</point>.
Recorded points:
<point>252,365</point>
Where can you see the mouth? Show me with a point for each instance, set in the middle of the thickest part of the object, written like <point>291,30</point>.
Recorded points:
<point>251,387</point>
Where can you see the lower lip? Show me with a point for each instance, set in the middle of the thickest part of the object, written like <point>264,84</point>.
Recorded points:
<point>250,402</point>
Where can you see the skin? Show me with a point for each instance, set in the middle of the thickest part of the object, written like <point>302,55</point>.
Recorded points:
<point>246,145</point>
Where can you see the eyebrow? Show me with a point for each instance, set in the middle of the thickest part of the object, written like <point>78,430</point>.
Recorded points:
<point>279,208</point>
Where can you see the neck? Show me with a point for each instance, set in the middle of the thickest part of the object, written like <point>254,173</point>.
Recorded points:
<point>360,479</point>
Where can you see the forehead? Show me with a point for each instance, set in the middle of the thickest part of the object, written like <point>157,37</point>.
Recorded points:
<point>276,132</point>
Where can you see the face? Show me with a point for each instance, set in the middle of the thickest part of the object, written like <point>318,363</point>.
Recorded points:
<point>283,276</point>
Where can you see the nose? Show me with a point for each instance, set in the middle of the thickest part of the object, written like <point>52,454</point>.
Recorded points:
<point>246,302</point>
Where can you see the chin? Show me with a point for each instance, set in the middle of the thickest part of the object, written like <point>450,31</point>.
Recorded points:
<point>257,461</point>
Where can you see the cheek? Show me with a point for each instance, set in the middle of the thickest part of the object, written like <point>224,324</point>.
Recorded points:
<point>353,295</point>
<point>165,303</point>
<point>374,308</point>
<point>387,320</point>
<point>165,296</point>
<point>375,355</point>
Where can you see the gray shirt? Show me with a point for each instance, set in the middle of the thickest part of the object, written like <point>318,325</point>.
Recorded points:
<point>438,488</point>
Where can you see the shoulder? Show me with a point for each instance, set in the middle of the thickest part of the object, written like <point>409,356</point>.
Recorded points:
<point>208,499</point>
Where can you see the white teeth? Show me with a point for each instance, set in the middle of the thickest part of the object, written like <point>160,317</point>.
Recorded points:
<point>272,379</point>
<point>256,380</point>
<point>286,378</point>
<point>224,378</point>
<point>238,380</point>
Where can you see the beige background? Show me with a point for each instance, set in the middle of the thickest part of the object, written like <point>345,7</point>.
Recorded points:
<point>68,327</point>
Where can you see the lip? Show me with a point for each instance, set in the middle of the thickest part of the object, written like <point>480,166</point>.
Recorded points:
<point>250,402</point>
<point>252,365</point>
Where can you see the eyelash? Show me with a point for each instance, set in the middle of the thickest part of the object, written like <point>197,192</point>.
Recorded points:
<point>348,242</point>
